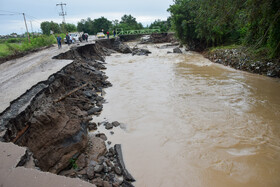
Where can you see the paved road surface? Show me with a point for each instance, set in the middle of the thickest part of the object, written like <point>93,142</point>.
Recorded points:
<point>17,76</point>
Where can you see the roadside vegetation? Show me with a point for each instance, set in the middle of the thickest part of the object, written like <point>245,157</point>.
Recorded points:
<point>15,46</point>
<point>251,23</point>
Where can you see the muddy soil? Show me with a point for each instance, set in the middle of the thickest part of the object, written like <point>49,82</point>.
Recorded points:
<point>54,124</point>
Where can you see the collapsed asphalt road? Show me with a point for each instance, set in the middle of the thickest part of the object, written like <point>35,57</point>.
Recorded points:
<point>52,119</point>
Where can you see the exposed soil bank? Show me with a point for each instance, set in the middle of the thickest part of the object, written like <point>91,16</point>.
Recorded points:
<point>53,117</point>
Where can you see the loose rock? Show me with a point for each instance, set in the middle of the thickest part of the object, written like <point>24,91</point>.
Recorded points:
<point>108,126</point>
<point>115,124</point>
<point>90,172</point>
<point>92,126</point>
<point>177,50</point>
<point>140,52</point>
<point>107,184</point>
<point>98,182</point>
<point>102,136</point>
<point>98,148</point>
<point>94,110</point>
<point>98,168</point>
<point>118,170</point>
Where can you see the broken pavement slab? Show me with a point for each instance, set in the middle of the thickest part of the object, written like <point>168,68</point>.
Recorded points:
<point>12,176</point>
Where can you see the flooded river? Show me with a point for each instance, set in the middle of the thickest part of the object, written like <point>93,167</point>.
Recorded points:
<point>192,123</point>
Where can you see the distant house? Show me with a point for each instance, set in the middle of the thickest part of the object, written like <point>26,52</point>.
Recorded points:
<point>13,35</point>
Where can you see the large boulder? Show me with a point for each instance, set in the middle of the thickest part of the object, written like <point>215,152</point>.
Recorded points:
<point>145,39</point>
<point>140,52</point>
<point>98,148</point>
<point>121,47</point>
<point>177,50</point>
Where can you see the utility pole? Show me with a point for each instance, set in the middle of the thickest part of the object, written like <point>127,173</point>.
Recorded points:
<point>62,13</point>
<point>26,27</point>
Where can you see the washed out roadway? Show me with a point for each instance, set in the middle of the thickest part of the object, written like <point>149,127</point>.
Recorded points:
<point>16,77</point>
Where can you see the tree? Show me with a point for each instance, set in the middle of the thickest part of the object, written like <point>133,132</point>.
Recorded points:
<point>216,22</point>
<point>46,27</point>
<point>115,23</point>
<point>163,25</point>
<point>128,22</point>
<point>93,26</point>
<point>101,23</point>
<point>55,27</point>
<point>81,25</point>
<point>183,13</point>
<point>68,27</point>
<point>86,26</point>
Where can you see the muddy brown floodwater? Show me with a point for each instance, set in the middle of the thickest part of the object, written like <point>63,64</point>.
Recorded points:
<point>190,122</point>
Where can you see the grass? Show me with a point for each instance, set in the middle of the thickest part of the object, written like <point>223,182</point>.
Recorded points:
<point>255,54</point>
<point>233,46</point>
<point>10,47</point>
<point>4,50</point>
<point>73,163</point>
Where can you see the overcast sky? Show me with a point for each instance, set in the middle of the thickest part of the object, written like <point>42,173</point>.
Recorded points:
<point>145,11</point>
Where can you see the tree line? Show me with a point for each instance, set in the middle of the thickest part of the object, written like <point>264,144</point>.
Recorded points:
<point>92,26</point>
<point>255,23</point>
<point>56,28</point>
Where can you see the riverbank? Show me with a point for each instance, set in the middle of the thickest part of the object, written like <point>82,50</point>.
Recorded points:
<point>239,58</point>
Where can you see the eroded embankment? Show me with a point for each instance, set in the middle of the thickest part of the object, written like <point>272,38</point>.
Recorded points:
<point>238,59</point>
<point>53,117</point>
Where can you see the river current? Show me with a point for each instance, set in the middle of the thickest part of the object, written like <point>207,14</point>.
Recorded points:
<point>193,123</point>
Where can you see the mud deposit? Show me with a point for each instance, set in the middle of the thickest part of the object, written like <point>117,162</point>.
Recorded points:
<point>53,117</point>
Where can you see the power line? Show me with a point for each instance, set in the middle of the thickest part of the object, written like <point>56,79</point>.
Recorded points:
<point>19,13</point>
<point>31,27</point>
<point>11,13</point>
<point>33,18</point>
<point>8,14</point>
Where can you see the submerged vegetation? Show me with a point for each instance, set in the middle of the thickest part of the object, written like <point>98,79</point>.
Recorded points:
<point>252,23</point>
